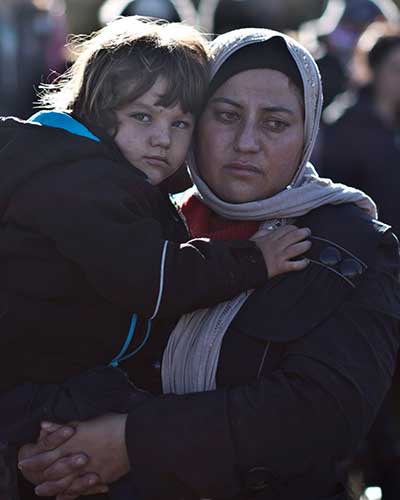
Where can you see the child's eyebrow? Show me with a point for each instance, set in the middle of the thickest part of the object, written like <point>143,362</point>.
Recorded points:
<point>156,108</point>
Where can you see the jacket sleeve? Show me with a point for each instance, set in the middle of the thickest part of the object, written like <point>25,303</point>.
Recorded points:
<point>310,412</point>
<point>115,239</point>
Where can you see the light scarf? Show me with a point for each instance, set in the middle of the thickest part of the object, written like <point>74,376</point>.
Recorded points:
<point>191,357</point>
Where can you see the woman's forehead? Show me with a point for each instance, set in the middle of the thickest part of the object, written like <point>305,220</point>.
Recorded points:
<point>262,88</point>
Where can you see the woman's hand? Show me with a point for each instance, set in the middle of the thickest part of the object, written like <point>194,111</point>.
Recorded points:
<point>58,463</point>
<point>45,453</point>
<point>279,247</point>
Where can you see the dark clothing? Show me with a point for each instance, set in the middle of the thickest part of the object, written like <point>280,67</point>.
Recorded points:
<point>89,395</point>
<point>360,150</point>
<point>303,369</point>
<point>83,246</point>
<point>85,242</point>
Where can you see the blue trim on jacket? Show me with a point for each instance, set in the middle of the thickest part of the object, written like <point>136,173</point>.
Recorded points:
<point>63,121</point>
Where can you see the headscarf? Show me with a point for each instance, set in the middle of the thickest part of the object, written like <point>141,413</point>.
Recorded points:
<point>307,190</point>
<point>191,358</point>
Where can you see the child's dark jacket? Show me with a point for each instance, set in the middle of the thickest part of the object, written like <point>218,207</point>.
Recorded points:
<point>85,242</point>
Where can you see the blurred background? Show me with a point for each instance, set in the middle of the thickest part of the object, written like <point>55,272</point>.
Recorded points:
<point>357,46</point>
<point>33,32</point>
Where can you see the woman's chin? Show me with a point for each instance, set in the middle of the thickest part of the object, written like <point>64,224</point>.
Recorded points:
<point>241,195</point>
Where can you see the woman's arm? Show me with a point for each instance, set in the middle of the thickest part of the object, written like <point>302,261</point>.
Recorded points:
<point>288,428</point>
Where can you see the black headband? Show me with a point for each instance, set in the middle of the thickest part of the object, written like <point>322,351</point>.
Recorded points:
<point>271,54</point>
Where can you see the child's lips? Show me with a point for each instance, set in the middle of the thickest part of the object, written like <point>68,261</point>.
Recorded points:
<point>157,161</point>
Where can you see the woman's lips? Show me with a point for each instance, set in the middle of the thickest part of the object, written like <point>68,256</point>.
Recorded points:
<point>243,169</point>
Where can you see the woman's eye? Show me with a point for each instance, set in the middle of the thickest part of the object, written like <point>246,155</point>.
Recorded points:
<point>226,116</point>
<point>275,125</point>
<point>141,117</point>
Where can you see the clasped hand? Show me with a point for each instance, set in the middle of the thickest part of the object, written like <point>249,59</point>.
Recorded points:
<point>78,459</point>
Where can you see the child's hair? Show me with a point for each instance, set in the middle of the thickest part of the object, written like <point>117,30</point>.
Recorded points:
<point>122,61</point>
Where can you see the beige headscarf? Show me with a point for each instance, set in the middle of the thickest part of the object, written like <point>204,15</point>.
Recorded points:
<point>191,357</point>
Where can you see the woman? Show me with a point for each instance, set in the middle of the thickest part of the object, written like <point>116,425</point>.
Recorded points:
<point>293,373</point>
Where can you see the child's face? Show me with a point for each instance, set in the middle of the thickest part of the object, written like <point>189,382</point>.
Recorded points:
<point>152,138</point>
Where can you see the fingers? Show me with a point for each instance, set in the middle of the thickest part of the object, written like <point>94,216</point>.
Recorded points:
<point>34,457</point>
<point>89,484</point>
<point>296,265</point>
<point>53,488</point>
<point>38,462</point>
<point>70,487</point>
<point>56,438</point>
<point>26,451</point>
<point>297,249</point>
<point>66,466</point>
<point>96,490</point>
<point>49,427</point>
<point>292,234</point>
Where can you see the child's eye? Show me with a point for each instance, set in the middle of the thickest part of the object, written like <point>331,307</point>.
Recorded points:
<point>141,117</point>
<point>182,124</point>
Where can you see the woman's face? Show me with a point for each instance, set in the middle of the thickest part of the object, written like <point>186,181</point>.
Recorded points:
<point>153,138</point>
<point>250,138</point>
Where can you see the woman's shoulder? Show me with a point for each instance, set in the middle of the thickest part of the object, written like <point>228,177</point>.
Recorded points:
<point>349,251</point>
<point>346,231</point>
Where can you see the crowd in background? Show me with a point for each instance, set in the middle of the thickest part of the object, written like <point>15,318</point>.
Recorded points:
<point>357,46</point>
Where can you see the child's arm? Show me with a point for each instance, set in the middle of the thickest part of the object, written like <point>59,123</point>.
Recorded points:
<point>223,269</point>
<point>117,240</point>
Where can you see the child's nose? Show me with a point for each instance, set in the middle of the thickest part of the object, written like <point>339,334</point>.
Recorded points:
<point>161,137</point>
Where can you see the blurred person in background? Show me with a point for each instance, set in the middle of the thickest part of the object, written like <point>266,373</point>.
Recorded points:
<point>363,139</point>
<point>220,16</point>
<point>32,38</point>
<point>362,148</point>
<point>333,37</point>
<point>169,10</point>
<point>234,14</point>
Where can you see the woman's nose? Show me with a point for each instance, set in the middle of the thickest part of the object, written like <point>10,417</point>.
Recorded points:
<point>161,137</point>
<point>247,140</point>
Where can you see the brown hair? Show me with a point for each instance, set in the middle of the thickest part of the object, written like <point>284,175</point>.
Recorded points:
<point>122,61</point>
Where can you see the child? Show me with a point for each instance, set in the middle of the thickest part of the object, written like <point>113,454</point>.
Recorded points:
<point>90,248</point>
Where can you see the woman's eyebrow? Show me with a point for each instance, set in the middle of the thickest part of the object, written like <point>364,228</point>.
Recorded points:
<point>270,109</point>
<point>279,109</point>
<point>225,100</point>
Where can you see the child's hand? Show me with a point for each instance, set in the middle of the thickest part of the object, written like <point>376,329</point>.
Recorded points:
<point>279,247</point>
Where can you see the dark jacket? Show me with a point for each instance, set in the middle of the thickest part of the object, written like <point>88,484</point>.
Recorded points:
<point>85,241</point>
<point>360,150</point>
<point>303,369</point>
